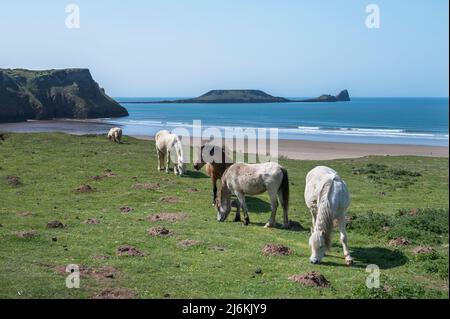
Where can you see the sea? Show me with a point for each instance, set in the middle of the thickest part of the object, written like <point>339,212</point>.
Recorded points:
<point>416,121</point>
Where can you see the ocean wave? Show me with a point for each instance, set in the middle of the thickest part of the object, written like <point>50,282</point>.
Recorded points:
<point>300,130</point>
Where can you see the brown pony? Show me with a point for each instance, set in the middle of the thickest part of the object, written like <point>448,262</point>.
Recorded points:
<point>216,162</point>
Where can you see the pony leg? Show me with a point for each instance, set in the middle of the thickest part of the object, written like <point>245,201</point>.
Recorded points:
<point>237,218</point>
<point>348,258</point>
<point>167,161</point>
<point>158,153</point>
<point>241,198</point>
<point>313,211</point>
<point>274,207</point>
<point>214,182</point>
<point>284,204</point>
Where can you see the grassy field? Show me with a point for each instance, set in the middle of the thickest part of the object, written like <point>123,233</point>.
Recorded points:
<point>392,197</point>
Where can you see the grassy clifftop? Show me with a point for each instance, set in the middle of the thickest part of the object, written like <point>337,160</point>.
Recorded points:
<point>41,179</point>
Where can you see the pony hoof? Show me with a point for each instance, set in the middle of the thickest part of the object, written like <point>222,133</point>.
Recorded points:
<point>349,261</point>
<point>237,219</point>
<point>268,225</point>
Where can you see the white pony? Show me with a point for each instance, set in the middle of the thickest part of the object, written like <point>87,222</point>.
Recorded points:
<point>166,143</point>
<point>115,134</point>
<point>327,197</point>
<point>254,179</point>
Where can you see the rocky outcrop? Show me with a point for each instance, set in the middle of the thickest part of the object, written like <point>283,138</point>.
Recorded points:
<point>68,93</point>
<point>343,96</point>
<point>233,96</point>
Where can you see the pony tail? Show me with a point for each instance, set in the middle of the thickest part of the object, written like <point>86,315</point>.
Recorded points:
<point>324,212</point>
<point>284,189</point>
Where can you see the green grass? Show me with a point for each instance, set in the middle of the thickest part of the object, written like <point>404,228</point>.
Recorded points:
<point>52,166</point>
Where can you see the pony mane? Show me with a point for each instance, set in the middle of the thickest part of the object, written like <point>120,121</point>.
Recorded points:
<point>324,221</point>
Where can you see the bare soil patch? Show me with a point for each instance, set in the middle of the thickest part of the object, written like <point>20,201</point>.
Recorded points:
<point>84,189</point>
<point>101,273</point>
<point>276,250</point>
<point>170,199</point>
<point>25,214</point>
<point>423,250</point>
<point>13,180</point>
<point>217,248</point>
<point>159,231</point>
<point>116,293</point>
<point>92,221</point>
<point>55,224</point>
<point>192,190</point>
<point>126,209</point>
<point>126,250</point>
<point>311,279</point>
<point>171,217</point>
<point>188,243</point>
<point>26,234</point>
<point>399,242</point>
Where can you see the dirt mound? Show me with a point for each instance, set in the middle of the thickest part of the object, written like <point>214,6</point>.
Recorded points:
<point>398,242</point>
<point>116,293</point>
<point>85,189</point>
<point>276,250</point>
<point>159,231</point>
<point>311,279</point>
<point>171,217</point>
<point>26,234</point>
<point>13,180</point>
<point>151,186</point>
<point>126,209</point>
<point>108,173</point>
<point>188,243</point>
<point>192,190</point>
<point>96,178</point>
<point>55,224</point>
<point>104,272</point>
<point>423,250</point>
<point>92,221</point>
<point>126,250</point>
<point>170,199</point>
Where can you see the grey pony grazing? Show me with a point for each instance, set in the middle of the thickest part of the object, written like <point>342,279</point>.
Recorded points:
<point>254,179</point>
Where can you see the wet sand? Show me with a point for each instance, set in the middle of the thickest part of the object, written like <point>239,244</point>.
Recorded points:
<point>294,149</point>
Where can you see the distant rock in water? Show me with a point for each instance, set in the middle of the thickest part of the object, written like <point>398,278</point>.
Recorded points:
<point>248,96</point>
<point>233,96</point>
<point>39,95</point>
<point>343,96</point>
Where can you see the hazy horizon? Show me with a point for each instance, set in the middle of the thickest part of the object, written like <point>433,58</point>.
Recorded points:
<point>183,49</point>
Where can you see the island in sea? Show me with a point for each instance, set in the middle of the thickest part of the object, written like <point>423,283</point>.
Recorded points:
<point>250,96</point>
<point>40,95</point>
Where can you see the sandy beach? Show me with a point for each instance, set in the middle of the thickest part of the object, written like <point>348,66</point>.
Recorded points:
<point>294,149</point>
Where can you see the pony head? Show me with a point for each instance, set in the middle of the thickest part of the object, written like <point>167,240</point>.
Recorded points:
<point>209,154</point>
<point>180,167</point>
<point>223,203</point>
<point>318,245</point>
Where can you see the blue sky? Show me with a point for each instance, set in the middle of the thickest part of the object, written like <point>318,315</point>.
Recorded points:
<point>287,48</point>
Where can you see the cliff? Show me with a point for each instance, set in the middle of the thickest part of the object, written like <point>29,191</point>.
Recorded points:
<point>68,93</point>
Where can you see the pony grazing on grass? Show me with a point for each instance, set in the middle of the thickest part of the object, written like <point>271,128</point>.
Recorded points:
<point>327,198</point>
<point>167,143</point>
<point>115,134</point>
<point>254,179</point>
<point>216,161</point>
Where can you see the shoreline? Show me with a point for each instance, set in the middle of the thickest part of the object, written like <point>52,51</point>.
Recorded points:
<point>312,150</point>
<point>293,149</point>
